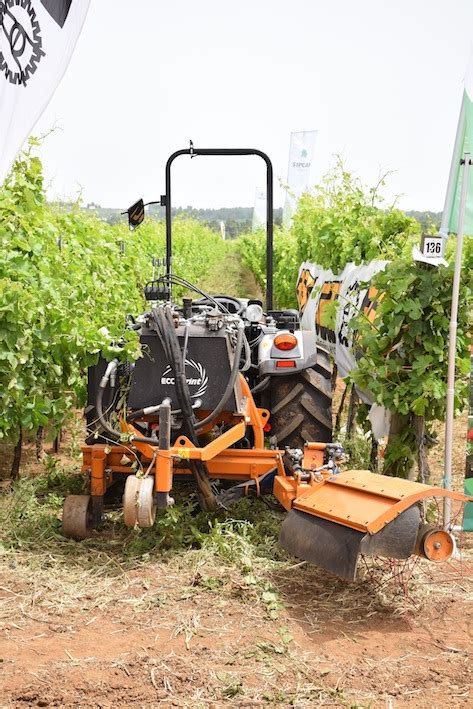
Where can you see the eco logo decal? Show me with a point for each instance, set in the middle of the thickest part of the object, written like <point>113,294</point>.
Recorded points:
<point>197,379</point>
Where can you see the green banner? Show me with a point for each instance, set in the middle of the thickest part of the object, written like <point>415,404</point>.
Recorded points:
<point>465,145</point>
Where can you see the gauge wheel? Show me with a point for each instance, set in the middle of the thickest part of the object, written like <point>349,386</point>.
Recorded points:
<point>77,517</point>
<point>139,508</point>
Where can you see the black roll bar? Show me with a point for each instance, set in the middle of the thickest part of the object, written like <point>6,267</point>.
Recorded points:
<point>269,207</point>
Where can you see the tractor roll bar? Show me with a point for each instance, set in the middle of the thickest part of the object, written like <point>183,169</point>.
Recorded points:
<point>269,206</point>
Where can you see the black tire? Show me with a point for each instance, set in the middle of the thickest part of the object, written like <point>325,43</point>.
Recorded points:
<point>301,407</point>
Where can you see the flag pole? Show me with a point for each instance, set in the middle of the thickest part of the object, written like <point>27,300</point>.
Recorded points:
<point>452,344</point>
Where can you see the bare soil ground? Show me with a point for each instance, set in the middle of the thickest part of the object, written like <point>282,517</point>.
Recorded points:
<point>221,619</point>
<point>195,633</point>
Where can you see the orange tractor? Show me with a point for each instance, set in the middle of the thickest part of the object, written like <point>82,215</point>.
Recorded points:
<point>236,397</point>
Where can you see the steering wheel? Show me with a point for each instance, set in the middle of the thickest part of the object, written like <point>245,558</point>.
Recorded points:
<point>233,305</point>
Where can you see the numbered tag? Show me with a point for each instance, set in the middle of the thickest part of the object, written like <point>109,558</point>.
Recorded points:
<point>432,246</point>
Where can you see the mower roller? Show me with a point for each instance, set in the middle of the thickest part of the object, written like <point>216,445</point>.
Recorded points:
<point>237,398</point>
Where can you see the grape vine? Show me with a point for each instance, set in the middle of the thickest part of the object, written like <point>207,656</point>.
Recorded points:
<point>67,281</point>
<point>402,356</point>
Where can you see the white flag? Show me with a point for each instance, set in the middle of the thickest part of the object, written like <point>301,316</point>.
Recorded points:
<point>300,172</point>
<point>37,38</point>
<point>259,209</point>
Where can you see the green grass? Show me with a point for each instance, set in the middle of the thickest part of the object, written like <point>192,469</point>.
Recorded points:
<point>30,517</point>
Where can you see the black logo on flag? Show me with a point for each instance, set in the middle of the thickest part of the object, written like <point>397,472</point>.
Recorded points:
<point>20,40</point>
<point>20,36</point>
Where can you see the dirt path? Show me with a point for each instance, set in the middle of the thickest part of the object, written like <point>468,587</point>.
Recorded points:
<point>232,278</point>
<point>80,627</point>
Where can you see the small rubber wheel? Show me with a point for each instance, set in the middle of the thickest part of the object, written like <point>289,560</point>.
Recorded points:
<point>130,500</point>
<point>146,504</point>
<point>77,517</point>
<point>139,507</point>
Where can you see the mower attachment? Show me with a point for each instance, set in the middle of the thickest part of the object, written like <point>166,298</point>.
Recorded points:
<point>357,512</point>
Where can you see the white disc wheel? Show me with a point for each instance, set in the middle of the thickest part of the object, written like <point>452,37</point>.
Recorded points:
<point>138,502</point>
<point>77,517</point>
<point>146,505</point>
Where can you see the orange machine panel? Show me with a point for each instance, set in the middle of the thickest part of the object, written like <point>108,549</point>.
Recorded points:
<point>366,501</point>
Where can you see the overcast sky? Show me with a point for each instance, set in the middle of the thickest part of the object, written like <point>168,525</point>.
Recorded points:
<point>381,80</point>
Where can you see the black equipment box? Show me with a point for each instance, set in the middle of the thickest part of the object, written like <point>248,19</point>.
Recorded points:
<point>209,359</point>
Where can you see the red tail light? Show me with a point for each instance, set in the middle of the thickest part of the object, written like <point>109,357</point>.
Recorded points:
<point>285,363</point>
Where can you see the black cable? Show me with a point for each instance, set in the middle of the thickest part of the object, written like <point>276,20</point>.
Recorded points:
<point>229,388</point>
<point>101,417</point>
<point>199,469</point>
<point>263,384</point>
<point>178,281</point>
<point>236,492</point>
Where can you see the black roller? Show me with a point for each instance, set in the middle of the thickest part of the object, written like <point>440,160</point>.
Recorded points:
<point>336,548</point>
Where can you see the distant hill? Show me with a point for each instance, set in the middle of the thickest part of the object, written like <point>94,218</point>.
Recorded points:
<point>237,220</point>
<point>427,219</point>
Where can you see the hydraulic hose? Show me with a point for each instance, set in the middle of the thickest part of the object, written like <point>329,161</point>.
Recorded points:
<point>149,410</point>
<point>177,280</point>
<point>116,435</point>
<point>263,384</point>
<point>99,406</point>
<point>247,348</point>
<point>177,365</point>
<point>259,486</point>
<point>229,388</point>
<point>198,468</point>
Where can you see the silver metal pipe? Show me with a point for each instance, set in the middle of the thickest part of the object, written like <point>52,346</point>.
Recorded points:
<point>452,343</point>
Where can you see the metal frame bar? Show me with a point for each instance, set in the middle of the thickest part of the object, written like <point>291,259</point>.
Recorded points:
<point>452,342</point>
<point>269,206</point>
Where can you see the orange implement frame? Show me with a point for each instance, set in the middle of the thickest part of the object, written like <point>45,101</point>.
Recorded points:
<point>358,499</point>
<point>102,461</point>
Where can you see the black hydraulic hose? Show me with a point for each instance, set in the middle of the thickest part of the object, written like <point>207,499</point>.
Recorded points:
<point>177,280</point>
<point>99,407</point>
<point>139,413</point>
<point>159,325</point>
<point>182,388</point>
<point>199,469</point>
<point>116,435</point>
<point>163,330</point>
<point>236,492</point>
<point>229,388</point>
<point>261,385</point>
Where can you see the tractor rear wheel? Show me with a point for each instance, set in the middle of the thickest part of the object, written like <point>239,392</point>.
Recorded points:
<point>301,407</point>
